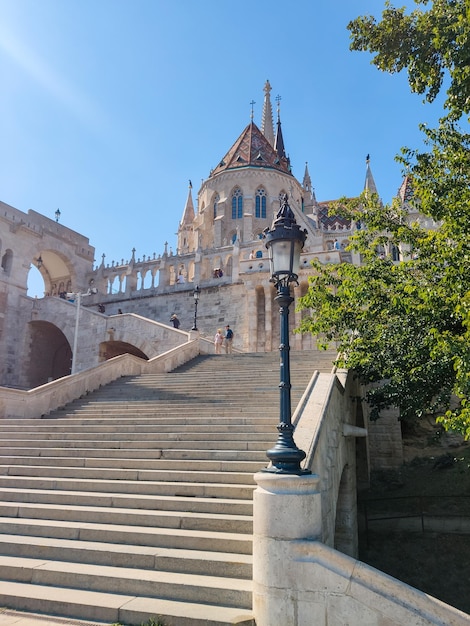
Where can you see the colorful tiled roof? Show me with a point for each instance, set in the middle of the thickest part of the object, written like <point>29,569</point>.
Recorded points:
<point>252,149</point>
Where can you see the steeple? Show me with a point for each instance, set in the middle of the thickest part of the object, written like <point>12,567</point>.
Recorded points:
<point>279,141</point>
<point>307,184</point>
<point>369,185</point>
<point>267,120</point>
<point>188,213</point>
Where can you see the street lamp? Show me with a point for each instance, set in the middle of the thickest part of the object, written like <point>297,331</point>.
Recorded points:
<point>284,241</point>
<point>196,294</point>
<point>78,297</point>
<point>57,215</point>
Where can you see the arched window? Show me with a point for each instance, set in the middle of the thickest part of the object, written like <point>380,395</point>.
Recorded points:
<point>237,204</point>
<point>7,260</point>
<point>216,202</point>
<point>260,206</point>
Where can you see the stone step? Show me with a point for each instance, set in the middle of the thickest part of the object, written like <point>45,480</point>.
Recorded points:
<point>213,425</point>
<point>131,501</point>
<point>138,453</point>
<point>187,520</point>
<point>181,489</point>
<point>130,535</point>
<point>139,557</point>
<point>164,424</point>
<point>144,464</point>
<point>261,443</point>
<point>116,608</point>
<point>174,476</point>
<point>177,586</point>
<point>180,435</point>
<point>136,500</point>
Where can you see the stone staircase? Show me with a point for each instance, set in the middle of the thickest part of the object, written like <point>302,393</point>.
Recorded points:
<point>136,501</point>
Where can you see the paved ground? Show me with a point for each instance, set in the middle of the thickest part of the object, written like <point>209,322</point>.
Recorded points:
<point>16,618</point>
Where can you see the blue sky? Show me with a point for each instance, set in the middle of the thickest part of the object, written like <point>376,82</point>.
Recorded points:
<point>109,107</point>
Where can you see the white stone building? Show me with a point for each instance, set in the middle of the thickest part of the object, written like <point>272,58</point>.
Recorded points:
<point>219,248</point>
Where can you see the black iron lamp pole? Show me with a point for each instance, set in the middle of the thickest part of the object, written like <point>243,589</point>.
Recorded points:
<point>196,294</point>
<point>284,241</point>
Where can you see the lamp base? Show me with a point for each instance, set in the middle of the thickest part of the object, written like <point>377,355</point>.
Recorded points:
<point>286,457</point>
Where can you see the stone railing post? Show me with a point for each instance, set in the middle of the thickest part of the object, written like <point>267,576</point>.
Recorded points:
<point>287,508</point>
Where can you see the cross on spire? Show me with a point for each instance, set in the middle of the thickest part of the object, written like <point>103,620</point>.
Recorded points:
<point>252,105</point>
<point>278,100</point>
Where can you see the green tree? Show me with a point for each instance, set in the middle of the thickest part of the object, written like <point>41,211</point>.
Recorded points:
<point>406,326</point>
<point>432,45</point>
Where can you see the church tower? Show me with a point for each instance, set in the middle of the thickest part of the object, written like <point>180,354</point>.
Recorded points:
<point>186,241</point>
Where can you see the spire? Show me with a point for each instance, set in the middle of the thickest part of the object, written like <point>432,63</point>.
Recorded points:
<point>279,141</point>
<point>267,120</point>
<point>369,185</point>
<point>307,184</point>
<point>188,213</point>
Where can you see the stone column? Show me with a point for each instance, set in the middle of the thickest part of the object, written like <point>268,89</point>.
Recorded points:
<point>250,329</point>
<point>268,318</point>
<point>286,508</point>
<point>296,338</point>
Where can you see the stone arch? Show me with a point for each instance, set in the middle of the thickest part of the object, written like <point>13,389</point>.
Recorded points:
<point>50,354</point>
<point>111,348</point>
<point>55,268</point>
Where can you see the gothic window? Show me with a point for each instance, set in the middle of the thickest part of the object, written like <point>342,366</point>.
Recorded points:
<point>216,202</point>
<point>237,204</point>
<point>260,203</point>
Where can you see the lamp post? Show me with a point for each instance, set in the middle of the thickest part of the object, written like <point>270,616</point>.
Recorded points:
<point>78,297</point>
<point>196,294</point>
<point>57,215</point>
<point>284,241</point>
<point>75,336</point>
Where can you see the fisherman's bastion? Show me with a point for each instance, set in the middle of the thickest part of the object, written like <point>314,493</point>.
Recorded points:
<point>219,248</point>
<point>134,471</point>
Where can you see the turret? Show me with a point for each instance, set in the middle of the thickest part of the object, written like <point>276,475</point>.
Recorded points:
<point>267,127</point>
<point>185,229</point>
<point>369,184</point>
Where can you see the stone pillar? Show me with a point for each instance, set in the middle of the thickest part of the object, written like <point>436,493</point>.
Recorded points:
<point>296,338</point>
<point>268,318</point>
<point>286,508</point>
<point>251,325</point>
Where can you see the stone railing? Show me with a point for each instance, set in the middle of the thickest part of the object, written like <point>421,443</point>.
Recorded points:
<point>34,403</point>
<point>299,578</point>
<point>307,583</point>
